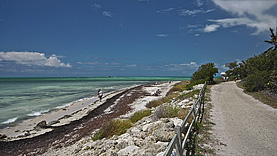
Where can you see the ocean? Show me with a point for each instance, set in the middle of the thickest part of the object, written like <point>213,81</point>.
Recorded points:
<point>25,98</point>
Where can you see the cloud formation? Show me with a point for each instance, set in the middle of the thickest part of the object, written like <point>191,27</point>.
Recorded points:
<point>254,14</point>
<point>165,11</point>
<point>162,35</point>
<point>188,67</point>
<point>107,14</point>
<point>185,12</point>
<point>211,28</point>
<point>32,58</point>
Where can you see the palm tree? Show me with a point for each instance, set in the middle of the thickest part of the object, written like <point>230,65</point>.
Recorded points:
<point>273,40</point>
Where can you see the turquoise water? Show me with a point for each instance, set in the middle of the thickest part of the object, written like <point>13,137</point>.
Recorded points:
<point>25,98</point>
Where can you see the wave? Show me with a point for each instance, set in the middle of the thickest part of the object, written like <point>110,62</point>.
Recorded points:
<point>38,113</point>
<point>10,120</point>
<point>69,104</point>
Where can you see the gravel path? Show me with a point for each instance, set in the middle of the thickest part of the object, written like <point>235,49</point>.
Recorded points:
<point>243,125</point>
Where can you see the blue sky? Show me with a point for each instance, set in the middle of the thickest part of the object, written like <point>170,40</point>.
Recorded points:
<point>129,37</point>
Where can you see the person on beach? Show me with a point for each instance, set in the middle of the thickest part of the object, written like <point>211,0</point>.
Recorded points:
<point>100,94</point>
<point>157,93</point>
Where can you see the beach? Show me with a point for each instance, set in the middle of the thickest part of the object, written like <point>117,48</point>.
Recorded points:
<point>66,126</point>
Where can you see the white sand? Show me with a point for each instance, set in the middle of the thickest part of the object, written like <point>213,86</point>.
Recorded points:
<point>140,103</point>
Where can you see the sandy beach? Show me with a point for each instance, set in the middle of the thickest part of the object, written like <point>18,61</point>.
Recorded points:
<point>68,125</point>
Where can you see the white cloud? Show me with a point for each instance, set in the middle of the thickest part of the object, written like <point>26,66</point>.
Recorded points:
<point>107,14</point>
<point>162,35</point>
<point>255,14</point>
<point>131,66</point>
<point>211,28</point>
<point>96,6</point>
<point>185,12</point>
<point>166,11</point>
<point>32,58</point>
<point>199,3</point>
<point>192,66</point>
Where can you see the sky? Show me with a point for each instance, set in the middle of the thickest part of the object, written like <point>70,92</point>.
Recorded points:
<point>95,38</point>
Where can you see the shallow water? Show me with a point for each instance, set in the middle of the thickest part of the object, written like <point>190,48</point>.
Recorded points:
<point>25,98</point>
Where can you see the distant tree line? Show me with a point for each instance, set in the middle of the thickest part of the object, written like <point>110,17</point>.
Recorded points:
<point>258,72</point>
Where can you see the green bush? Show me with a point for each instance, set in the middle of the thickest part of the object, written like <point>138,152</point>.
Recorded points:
<point>114,127</point>
<point>179,87</point>
<point>156,103</point>
<point>188,95</point>
<point>193,83</point>
<point>139,115</point>
<point>255,82</point>
<point>171,112</point>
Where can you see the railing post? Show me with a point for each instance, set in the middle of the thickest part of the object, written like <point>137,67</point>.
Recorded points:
<point>177,130</point>
<point>194,110</point>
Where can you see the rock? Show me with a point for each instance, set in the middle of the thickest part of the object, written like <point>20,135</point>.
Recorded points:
<point>127,150</point>
<point>27,134</point>
<point>176,121</point>
<point>53,122</point>
<point>3,136</point>
<point>185,101</point>
<point>195,96</point>
<point>41,125</point>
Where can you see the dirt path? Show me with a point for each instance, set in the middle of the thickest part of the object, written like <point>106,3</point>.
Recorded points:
<point>243,125</point>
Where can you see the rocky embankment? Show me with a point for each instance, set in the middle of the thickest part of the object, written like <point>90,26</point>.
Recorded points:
<point>149,136</point>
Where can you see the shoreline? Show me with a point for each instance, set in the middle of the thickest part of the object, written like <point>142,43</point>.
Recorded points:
<point>75,111</point>
<point>85,121</point>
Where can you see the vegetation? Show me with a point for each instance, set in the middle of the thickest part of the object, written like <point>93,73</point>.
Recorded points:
<point>189,94</point>
<point>139,115</point>
<point>114,127</point>
<point>118,127</point>
<point>179,87</point>
<point>205,72</point>
<point>171,112</point>
<point>258,72</point>
<point>273,39</point>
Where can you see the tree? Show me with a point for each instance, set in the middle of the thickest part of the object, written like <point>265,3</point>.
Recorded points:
<point>205,72</point>
<point>273,39</point>
<point>232,65</point>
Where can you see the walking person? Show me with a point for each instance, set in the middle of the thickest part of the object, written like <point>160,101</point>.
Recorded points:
<point>100,94</point>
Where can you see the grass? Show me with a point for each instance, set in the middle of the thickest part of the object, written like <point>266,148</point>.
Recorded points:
<point>139,115</point>
<point>188,95</point>
<point>118,126</point>
<point>262,96</point>
<point>156,103</point>
<point>204,136</point>
<point>179,87</point>
<point>171,112</point>
<point>114,127</point>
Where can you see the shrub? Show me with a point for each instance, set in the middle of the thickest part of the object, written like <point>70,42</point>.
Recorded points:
<point>114,127</point>
<point>256,82</point>
<point>196,82</point>
<point>189,94</point>
<point>156,103</point>
<point>139,115</point>
<point>170,112</point>
<point>181,86</point>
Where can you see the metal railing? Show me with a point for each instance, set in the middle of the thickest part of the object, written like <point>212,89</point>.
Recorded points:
<point>177,144</point>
